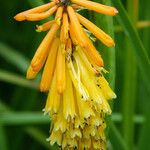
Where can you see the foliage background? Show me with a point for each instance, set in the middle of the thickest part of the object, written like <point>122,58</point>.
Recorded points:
<point>22,124</point>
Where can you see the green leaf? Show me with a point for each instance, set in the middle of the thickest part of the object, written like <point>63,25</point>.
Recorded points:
<point>139,50</point>
<point>13,57</point>
<point>21,118</point>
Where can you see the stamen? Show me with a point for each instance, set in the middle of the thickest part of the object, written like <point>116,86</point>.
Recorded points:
<point>101,35</point>
<point>39,9</point>
<point>49,67</point>
<point>108,10</point>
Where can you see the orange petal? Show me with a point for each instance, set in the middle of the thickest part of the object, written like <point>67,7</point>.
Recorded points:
<point>108,10</point>
<point>49,67</point>
<point>102,36</point>
<point>39,9</point>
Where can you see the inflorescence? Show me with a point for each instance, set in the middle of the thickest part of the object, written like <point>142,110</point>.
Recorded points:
<point>73,73</point>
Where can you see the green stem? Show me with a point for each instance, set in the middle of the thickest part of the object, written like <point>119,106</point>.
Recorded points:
<point>130,79</point>
<point>3,143</point>
<point>120,143</point>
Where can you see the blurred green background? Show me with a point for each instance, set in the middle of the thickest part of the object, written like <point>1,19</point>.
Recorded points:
<point>22,123</point>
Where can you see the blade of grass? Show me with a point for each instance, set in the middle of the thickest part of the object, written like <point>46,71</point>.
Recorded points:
<point>38,136</point>
<point>139,50</point>
<point>143,142</point>
<point>22,118</point>
<point>118,118</point>
<point>116,138</point>
<point>3,140</point>
<point>129,88</point>
<point>17,80</point>
<point>139,25</point>
<point>13,57</point>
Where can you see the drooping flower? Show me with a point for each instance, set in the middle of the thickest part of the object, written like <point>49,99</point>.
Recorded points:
<point>78,93</point>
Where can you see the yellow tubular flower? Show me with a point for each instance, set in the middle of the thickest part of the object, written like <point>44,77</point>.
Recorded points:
<point>89,66</point>
<point>78,94</point>
<point>108,93</point>
<point>95,94</point>
<point>68,99</point>
<point>60,69</point>
<point>53,100</point>
<point>77,81</point>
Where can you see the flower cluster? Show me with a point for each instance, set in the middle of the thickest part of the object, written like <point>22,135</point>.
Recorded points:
<point>73,73</point>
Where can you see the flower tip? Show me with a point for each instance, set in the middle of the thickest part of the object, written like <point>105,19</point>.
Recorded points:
<point>116,11</point>
<point>30,73</point>
<point>114,96</point>
<point>60,89</point>
<point>44,88</point>
<point>39,28</point>
<point>101,63</point>
<point>111,44</point>
<point>19,17</point>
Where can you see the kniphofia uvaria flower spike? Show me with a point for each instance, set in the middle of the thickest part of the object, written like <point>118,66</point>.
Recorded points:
<point>73,73</point>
